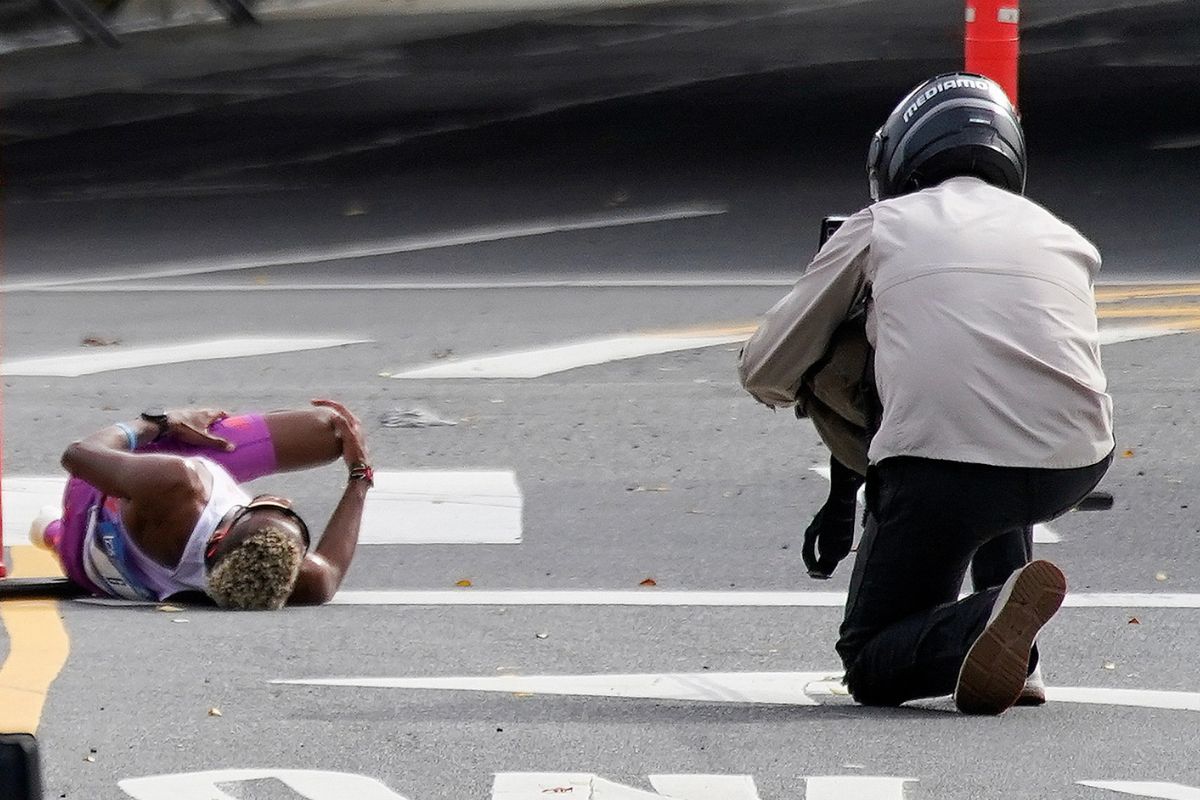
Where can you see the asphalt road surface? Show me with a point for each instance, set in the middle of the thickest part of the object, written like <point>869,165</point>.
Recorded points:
<point>569,290</point>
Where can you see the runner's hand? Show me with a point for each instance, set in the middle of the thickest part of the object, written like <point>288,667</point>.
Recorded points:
<point>190,426</point>
<point>349,430</point>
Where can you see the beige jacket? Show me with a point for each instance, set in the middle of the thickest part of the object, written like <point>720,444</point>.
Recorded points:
<point>982,317</point>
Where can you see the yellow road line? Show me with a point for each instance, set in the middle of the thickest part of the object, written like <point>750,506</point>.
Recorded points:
<point>1149,312</point>
<point>700,331</point>
<point>1181,318</point>
<point>1112,294</point>
<point>37,646</point>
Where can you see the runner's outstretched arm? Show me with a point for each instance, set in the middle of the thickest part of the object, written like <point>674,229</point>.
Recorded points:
<point>324,567</point>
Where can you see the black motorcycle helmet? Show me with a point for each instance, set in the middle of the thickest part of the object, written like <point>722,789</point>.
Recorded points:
<point>955,124</point>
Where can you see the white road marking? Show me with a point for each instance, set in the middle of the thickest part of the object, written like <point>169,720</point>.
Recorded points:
<point>324,785</point>
<point>22,498</point>
<point>1153,789</point>
<point>589,786</point>
<point>442,507</point>
<point>403,244</point>
<point>693,598</point>
<point>1177,143</point>
<point>767,688</point>
<point>854,787</point>
<point>94,360</point>
<point>705,787</point>
<point>540,361</point>
<point>700,282</point>
<point>537,362</point>
<point>1142,698</point>
<point>308,783</point>
<point>684,599</point>
<point>1133,333</point>
<point>1042,533</point>
<point>410,507</point>
<point>780,688</point>
<point>570,597</point>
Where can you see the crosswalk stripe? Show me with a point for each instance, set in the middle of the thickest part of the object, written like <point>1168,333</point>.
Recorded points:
<point>538,362</point>
<point>443,507</point>
<point>72,365</point>
<point>534,363</point>
<point>405,507</point>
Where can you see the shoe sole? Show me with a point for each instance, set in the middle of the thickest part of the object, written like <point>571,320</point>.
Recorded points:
<point>994,671</point>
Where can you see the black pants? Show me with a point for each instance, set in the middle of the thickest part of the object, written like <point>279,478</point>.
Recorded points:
<point>905,632</point>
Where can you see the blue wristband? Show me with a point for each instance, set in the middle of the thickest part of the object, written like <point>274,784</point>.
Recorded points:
<point>130,435</point>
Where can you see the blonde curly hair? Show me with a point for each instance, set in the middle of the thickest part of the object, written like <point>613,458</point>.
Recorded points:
<point>258,573</point>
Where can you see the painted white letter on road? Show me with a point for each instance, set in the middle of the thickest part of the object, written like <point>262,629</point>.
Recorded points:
<point>308,784</point>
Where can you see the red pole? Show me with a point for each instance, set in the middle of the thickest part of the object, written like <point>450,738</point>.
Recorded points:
<point>3,569</point>
<point>992,41</point>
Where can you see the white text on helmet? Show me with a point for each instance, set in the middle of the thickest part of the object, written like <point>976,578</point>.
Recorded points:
<point>933,91</point>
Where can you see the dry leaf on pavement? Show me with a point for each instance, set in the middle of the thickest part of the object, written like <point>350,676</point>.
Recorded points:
<point>649,582</point>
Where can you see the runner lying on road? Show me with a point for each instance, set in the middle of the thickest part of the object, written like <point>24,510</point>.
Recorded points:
<point>154,509</point>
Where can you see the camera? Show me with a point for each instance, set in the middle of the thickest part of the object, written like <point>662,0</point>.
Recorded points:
<point>829,227</point>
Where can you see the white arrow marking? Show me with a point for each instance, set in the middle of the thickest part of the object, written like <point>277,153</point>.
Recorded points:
<point>311,784</point>
<point>755,688</point>
<point>536,362</point>
<point>72,365</point>
<point>1157,789</point>
<point>1042,534</point>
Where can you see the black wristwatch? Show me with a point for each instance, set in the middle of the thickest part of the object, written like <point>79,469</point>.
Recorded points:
<point>158,417</point>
